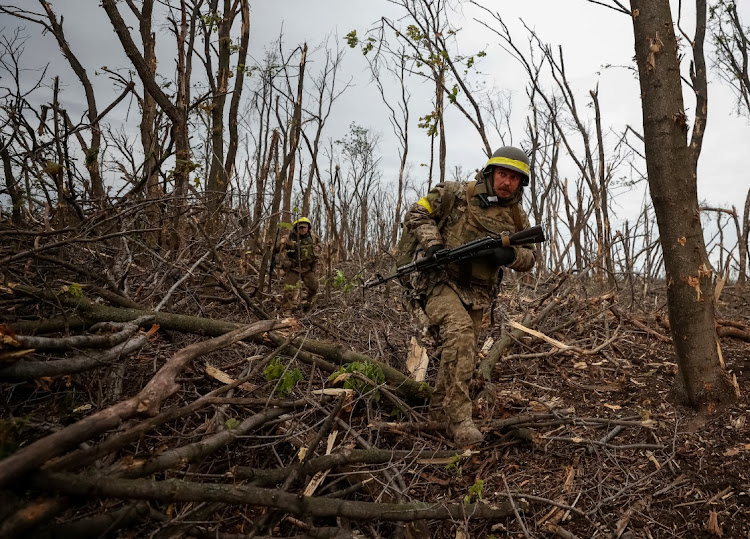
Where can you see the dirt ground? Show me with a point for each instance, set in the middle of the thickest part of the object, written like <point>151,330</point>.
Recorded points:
<point>587,441</point>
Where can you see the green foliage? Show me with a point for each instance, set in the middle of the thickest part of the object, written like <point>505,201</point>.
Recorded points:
<point>232,423</point>
<point>413,33</point>
<point>475,492</point>
<point>429,122</point>
<point>74,289</point>
<point>212,21</point>
<point>295,286</point>
<point>351,39</point>
<point>340,281</point>
<point>453,94</point>
<point>369,45</point>
<point>246,69</point>
<point>369,370</point>
<point>454,466</point>
<point>286,378</point>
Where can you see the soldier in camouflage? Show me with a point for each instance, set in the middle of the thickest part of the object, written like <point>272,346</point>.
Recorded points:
<point>455,298</point>
<point>300,251</point>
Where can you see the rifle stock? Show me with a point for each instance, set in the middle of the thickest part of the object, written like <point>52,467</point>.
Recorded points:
<point>534,234</point>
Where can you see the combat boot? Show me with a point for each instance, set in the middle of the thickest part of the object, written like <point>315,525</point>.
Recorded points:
<point>465,433</point>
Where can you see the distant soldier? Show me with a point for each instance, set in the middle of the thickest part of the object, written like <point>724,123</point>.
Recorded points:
<point>456,297</point>
<point>300,251</point>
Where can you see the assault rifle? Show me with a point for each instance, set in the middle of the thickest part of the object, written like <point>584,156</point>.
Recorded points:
<point>477,247</point>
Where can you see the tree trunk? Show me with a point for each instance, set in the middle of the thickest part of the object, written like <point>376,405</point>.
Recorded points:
<point>92,151</point>
<point>743,242</point>
<point>149,134</point>
<point>218,178</point>
<point>16,199</point>
<point>701,379</point>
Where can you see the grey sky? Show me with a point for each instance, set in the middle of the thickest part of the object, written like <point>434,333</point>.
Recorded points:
<point>591,36</point>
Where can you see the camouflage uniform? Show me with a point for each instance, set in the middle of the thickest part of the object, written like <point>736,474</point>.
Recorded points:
<point>299,260</point>
<point>456,297</point>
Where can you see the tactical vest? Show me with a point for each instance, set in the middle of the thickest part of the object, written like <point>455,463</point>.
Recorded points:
<point>472,217</point>
<point>462,223</point>
<point>301,251</point>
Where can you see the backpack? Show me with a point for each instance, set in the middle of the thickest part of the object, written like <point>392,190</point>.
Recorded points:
<point>406,248</point>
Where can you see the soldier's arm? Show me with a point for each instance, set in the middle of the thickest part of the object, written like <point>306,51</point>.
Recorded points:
<point>423,217</point>
<point>525,254</point>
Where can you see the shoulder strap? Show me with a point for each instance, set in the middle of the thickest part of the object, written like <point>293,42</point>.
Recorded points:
<point>469,194</point>
<point>517,220</point>
<point>449,200</point>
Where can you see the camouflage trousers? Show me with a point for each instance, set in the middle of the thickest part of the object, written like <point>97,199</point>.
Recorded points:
<point>290,296</point>
<point>459,332</point>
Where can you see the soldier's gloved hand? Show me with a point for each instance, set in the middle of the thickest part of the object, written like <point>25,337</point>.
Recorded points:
<point>432,249</point>
<point>499,256</point>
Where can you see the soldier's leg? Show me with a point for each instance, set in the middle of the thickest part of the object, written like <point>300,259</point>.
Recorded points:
<point>476,318</point>
<point>290,291</point>
<point>457,361</point>
<point>310,278</point>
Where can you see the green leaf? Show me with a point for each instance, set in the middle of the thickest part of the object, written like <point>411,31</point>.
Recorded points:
<point>351,39</point>
<point>367,369</point>
<point>286,379</point>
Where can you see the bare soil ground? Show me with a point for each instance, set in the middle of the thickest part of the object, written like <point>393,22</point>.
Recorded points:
<point>587,442</point>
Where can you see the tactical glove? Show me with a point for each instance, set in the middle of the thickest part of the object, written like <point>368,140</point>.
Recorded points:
<point>432,249</point>
<point>499,256</point>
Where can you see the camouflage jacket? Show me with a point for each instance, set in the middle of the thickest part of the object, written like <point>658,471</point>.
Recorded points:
<point>300,253</point>
<point>462,221</point>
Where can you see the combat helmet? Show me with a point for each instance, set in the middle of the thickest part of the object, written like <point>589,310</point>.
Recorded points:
<point>302,221</point>
<point>509,157</point>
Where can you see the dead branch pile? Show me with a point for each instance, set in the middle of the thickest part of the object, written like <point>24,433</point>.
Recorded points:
<point>162,397</point>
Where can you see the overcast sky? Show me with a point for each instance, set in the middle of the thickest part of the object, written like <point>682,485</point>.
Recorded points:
<point>592,37</point>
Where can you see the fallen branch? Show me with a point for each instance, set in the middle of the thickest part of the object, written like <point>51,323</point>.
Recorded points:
<point>347,457</point>
<point>92,312</point>
<point>29,370</point>
<point>174,490</point>
<point>640,325</point>
<point>181,456</point>
<point>114,442</point>
<point>147,402</point>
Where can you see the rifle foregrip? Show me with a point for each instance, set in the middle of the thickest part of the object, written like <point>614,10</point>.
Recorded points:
<point>535,234</point>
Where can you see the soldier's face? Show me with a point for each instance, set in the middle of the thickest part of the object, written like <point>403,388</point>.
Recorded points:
<point>302,229</point>
<point>505,182</point>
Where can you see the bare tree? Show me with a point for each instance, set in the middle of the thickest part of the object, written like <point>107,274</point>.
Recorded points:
<point>563,110</point>
<point>671,166</point>
<point>732,41</point>
<point>177,111</point>
<point>222,163</point>
<point>394,62</point>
